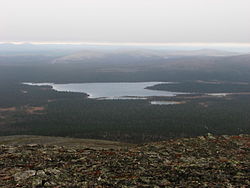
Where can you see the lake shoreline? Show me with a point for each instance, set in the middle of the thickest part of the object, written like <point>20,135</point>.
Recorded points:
<point>112,90</point>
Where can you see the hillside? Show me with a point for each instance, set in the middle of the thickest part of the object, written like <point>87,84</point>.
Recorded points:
<point>206,161</point>
<point>61,141</point>
<point>94,56</point>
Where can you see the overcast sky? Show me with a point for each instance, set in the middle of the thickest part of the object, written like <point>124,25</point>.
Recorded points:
<point>118,21</point>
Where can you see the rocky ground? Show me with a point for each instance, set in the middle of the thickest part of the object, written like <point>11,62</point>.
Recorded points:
<point>206,161</point>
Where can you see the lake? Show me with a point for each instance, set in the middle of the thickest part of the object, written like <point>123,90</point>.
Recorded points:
<point>166,102</point>
<point>120,90</point>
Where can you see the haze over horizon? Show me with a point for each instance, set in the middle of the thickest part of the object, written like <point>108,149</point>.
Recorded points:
<point>131,22</point>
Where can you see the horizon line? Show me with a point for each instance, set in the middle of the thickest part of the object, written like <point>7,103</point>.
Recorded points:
<point>128,43</point>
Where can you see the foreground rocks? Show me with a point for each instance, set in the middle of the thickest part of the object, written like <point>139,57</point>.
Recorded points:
<point>208,161</point>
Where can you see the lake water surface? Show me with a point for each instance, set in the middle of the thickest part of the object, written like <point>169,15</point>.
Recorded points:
<point>120,90</point>
<point>165,102</point>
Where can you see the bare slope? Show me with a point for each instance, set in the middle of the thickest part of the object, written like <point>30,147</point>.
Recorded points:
<point>61,141</point>
<point>188,162</point>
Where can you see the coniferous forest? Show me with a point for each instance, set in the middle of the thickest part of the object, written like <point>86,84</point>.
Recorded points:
<point>40,110</point>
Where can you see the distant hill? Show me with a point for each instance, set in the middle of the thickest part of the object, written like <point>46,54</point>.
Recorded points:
<point>203,52</point>
<point>97,55</point>
<point>92,64</point>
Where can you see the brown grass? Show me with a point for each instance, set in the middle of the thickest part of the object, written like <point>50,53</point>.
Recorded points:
<point>27,109</point>
<point>10,109</point>
<point>34,110</point>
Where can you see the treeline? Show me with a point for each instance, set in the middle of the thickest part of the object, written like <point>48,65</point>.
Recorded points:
<point>17,94</point>
<point>196,87</point>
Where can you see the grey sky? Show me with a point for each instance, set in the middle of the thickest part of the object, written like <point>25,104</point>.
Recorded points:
<point>138,21</point>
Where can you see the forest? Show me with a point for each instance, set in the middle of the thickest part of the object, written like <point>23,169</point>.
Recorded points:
<point>39,110</point>
<point>74,115</point>
<point>204,87</point>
